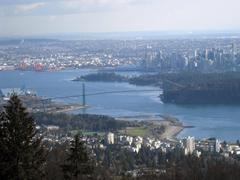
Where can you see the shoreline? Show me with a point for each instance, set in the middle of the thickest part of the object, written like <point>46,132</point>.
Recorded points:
<point>172,126</point>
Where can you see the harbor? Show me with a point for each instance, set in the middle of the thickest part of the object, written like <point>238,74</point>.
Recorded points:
<point>36,103</point>
<point>219,121</point>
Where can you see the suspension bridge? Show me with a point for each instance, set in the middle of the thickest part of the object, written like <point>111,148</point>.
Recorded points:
<point>83,95</point>
<point>46,101</point>
<point>49,104</point>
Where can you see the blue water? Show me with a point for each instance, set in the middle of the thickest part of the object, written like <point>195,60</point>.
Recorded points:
<point>221,121</point>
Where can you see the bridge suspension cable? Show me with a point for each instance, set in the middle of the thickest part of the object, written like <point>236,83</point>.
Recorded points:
<point>100,93</point>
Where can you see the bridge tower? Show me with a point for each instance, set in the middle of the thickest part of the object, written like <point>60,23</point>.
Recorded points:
<point>83,95</point>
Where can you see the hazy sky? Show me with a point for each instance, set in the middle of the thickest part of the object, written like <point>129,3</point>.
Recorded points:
<point>32,17</point>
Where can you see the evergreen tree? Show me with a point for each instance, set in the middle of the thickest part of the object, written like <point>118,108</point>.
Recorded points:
<point>21,152</point>
<point>78,164</point>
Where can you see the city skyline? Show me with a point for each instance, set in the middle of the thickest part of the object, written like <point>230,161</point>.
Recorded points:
<point>41,17</point>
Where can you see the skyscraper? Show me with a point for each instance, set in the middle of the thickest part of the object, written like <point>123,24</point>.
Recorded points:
<point>217,146</point>
<point>110,138</point>
<point>189,144</point>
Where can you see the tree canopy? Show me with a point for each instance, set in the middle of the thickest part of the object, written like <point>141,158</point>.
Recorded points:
<point>21,152</point>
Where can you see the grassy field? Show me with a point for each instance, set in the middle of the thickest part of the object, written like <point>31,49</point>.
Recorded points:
<point>136,131</point>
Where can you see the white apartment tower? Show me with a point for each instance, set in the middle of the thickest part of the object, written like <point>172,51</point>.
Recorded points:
<point>189,144</point>
<point>110,138</point>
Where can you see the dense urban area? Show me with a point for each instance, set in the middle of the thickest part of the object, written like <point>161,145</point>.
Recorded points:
<point>164,55</point>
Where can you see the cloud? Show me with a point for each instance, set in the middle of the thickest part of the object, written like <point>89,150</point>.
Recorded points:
<point>94,4</point>
<point>16,2</point>
<point>54,7</point>
<point>29,7</point>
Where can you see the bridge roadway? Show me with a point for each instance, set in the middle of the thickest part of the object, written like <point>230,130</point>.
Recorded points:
<point>100,93</point>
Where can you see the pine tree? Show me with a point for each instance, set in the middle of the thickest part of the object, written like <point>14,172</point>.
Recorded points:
<point>21,151</point>
<point>78,164</point>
